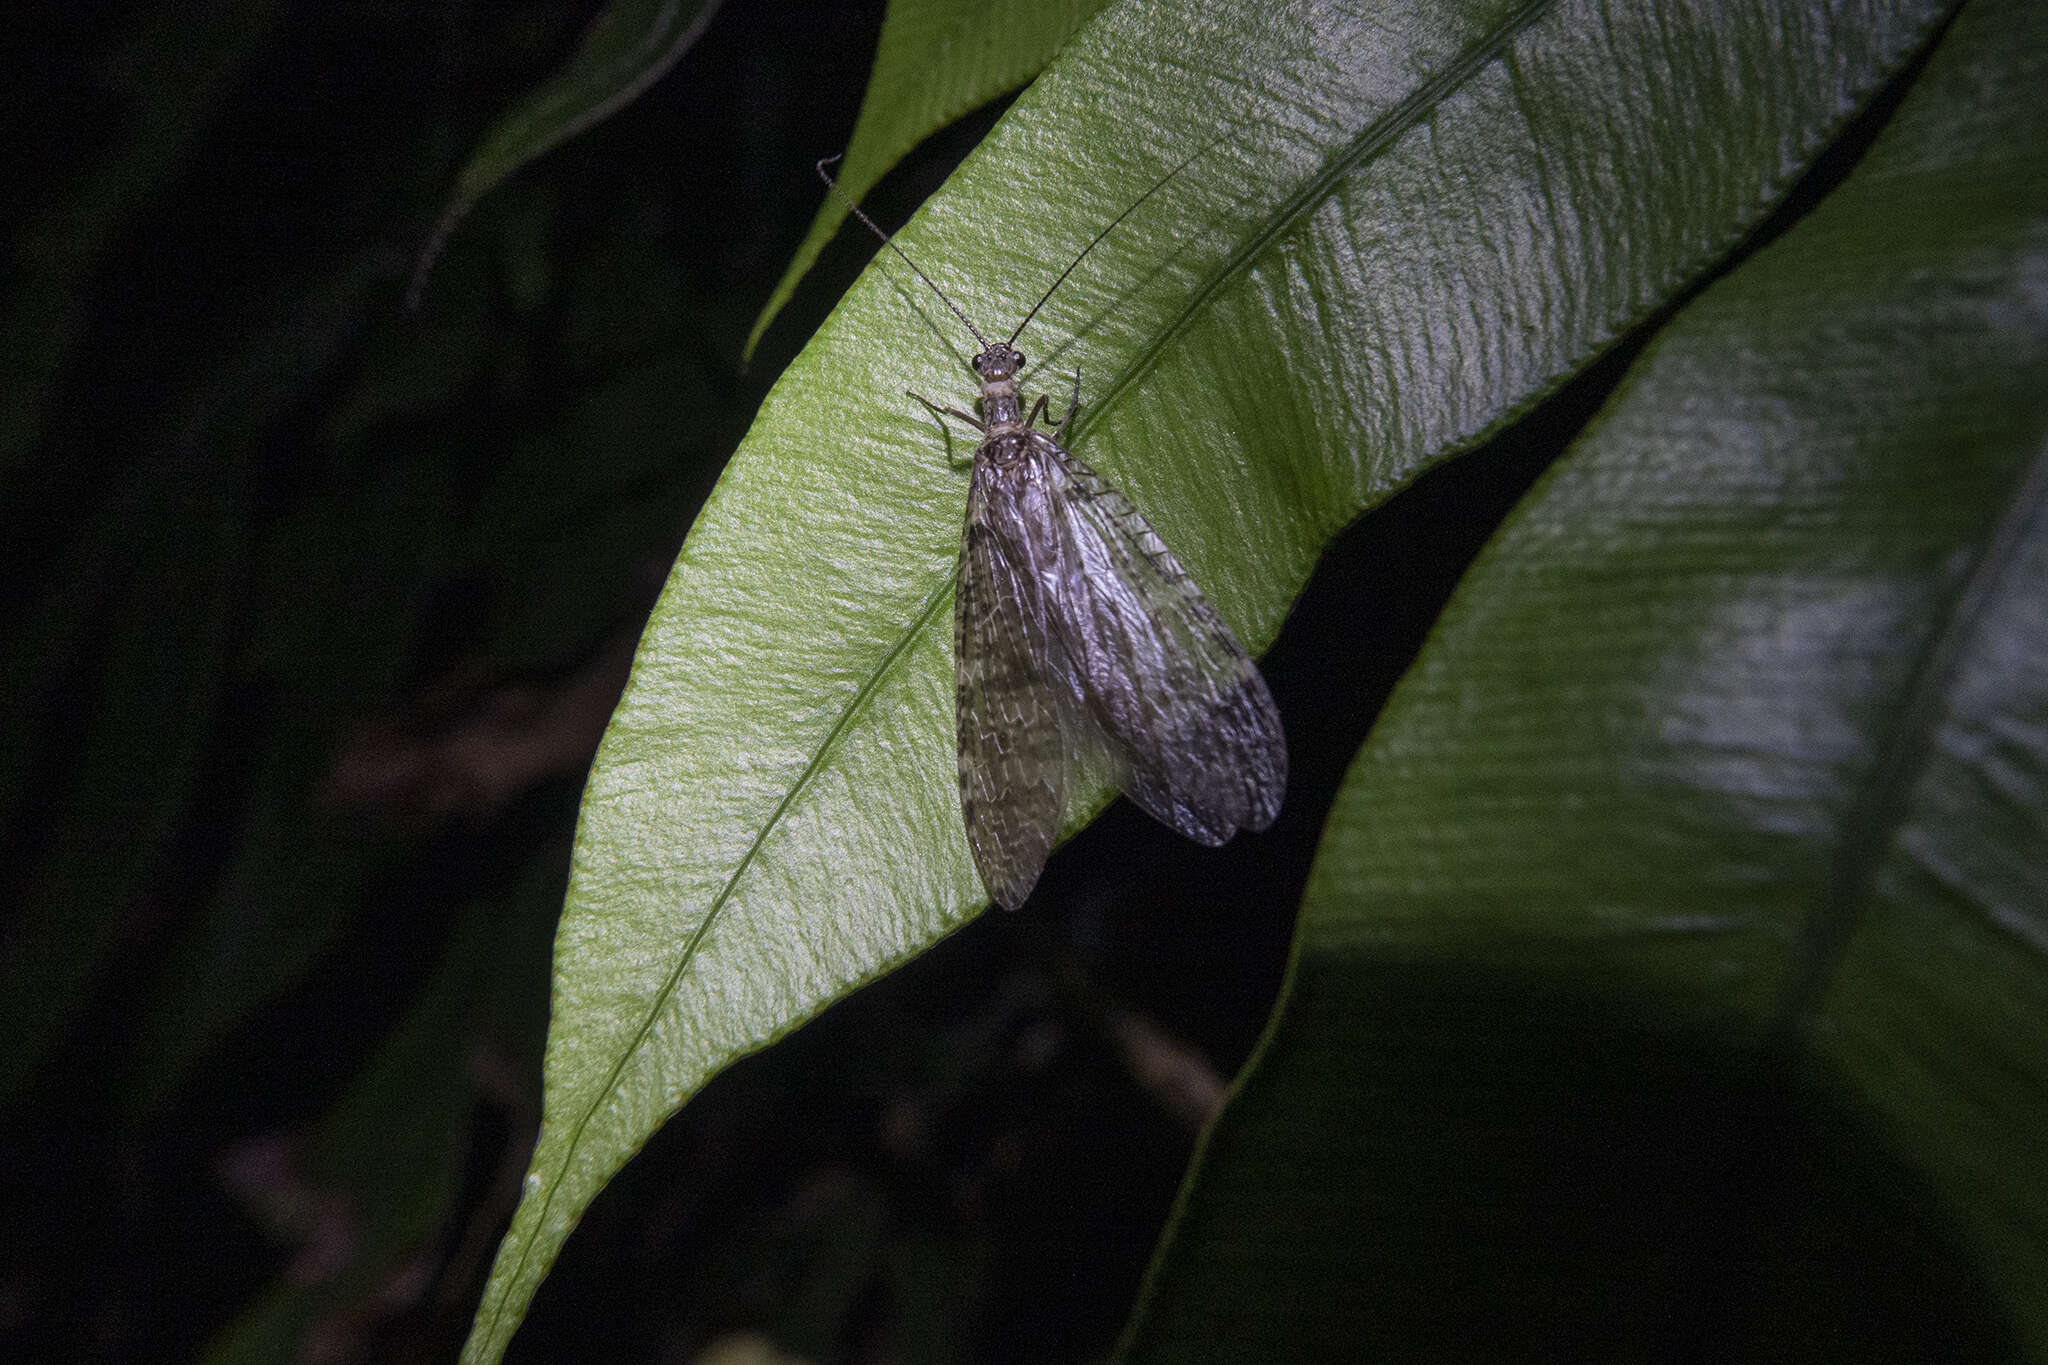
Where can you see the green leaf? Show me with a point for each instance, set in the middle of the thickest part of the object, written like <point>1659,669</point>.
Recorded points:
<point>627,48</point>
<point>1673,980</point>
<point>937,60</point>
<point>1420,222</point>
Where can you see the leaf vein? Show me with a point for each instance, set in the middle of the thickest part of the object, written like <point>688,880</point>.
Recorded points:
<point>1873,820</point>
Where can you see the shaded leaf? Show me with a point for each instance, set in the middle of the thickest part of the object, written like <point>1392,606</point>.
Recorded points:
<point>1673,980</point>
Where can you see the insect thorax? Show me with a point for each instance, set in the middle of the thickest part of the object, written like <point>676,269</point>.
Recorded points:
<point>999,406</point>
<point>1006,449</point>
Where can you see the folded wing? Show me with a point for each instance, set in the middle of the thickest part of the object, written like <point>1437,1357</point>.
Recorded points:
<point>1181,709</point>
<point>1012,743</point>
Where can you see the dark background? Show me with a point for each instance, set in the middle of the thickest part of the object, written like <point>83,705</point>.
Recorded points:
<point>314,608</point>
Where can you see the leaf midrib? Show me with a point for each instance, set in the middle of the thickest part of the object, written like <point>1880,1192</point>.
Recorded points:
<point>1372,140</point>
<point>1882,807</point>
<point>855,708</point>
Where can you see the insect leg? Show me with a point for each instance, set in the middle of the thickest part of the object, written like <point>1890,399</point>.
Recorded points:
<point>1037,411</point>
<point>1073,406</point>
<point>938,411</point>
<point>940,414</point>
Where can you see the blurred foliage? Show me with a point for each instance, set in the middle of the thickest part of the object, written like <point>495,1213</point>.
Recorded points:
<point>1675,965</point>
<point>629,46</point>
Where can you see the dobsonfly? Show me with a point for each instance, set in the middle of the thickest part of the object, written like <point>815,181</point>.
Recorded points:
<point>1076,632</point>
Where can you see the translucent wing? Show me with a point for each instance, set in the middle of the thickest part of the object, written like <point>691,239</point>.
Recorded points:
<point>1012,742</point>
<point>1185,716</point>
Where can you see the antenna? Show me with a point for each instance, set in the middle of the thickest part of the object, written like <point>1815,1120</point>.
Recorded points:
<point>1157,186</point>
<point>889,242</point>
